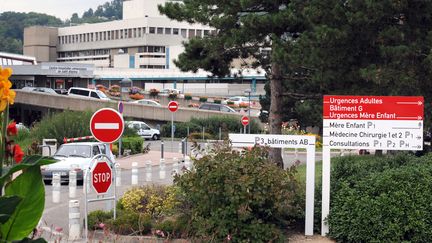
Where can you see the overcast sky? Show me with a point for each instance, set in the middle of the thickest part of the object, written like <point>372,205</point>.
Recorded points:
<point>60,8</point>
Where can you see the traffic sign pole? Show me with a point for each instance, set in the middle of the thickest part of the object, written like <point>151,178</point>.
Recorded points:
<point>172,130</point>
<point>173,107</point>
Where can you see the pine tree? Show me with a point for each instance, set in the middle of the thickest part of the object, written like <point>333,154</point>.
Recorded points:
<point>243,29</point>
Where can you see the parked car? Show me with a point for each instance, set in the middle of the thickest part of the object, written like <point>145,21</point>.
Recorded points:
<point>146,102</point>
<point>77,156</point>
<point>144,130</point>
<point>216,107</point>
<point>90,93</point>
<point>237,100</point>
<point>40,89</point>
<point>170,91</point>
<point>61,91</point>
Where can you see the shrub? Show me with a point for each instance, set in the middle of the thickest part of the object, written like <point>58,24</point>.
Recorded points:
<point>155,201</point>
<point>154,92</point>
<point>241,195</point>
<point>381,199</point>
<point>172,96</point>
<point>168,227</point>
<point>128,222</point>
<point>199,135</point>
<point>180,129</point>
<point>69,124</point>
<point>95,218</point>
<point>136,96</point>
<point>203,99</point>
<point>187,96</point>
<point>217,101</point>
<point>134,144</point>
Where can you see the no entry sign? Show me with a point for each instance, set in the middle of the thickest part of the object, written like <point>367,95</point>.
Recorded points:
<point>245,120</point>
<point>101,177</point>
<point>173,106</point>
<point>107,125</point>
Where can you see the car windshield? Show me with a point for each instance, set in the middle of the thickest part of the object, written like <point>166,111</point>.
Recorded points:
<point>101,94</point>
<point>74,151</point>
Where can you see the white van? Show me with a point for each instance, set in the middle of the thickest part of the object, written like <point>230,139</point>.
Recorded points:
<point>144,130</point>
<point>90,93</point>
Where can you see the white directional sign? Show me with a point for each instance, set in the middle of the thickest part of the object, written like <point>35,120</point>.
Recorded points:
<point>373,122</point>
<point>272,140</point>
<point>288,141</point>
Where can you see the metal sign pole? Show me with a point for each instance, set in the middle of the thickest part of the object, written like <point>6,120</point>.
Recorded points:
<point>172,130</point>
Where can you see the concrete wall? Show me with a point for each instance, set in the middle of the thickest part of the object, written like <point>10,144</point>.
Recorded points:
<point>210,89</point>
<point>136,111</point>
<point>40,42</point>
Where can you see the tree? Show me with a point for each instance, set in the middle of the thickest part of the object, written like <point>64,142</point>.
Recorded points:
<point>243,29</point>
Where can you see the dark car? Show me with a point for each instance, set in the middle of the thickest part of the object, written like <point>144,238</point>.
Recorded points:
<point>216,107</point>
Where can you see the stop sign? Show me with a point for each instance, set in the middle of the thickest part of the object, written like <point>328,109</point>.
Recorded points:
<point>107,125</point>
<point>101,177</point>
<point>173,106</point>
<point>245,120</point>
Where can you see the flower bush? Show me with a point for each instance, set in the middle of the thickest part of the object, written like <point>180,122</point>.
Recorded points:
<point>154,92</point>
<point>203,99</point>
<point>114,90</point>
<point>22,199</point>
<point>187,96</point>
<point>102,88</point>
<point>136,96</point>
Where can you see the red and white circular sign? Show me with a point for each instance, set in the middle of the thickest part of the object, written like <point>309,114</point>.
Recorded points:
<point>106,125</point>
<point>101,177</point>
<point>173,106</point>
<point>245,120</point>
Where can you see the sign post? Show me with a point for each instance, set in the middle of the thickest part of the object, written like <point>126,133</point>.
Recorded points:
<point>288,141</point>
<point>245,122</point>
<point>173,107</point>
<point>368,122</point>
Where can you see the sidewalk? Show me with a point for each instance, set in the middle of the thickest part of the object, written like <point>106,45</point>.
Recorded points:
<point>141,159</point>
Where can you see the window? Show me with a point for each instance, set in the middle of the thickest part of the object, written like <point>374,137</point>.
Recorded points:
<point>183,33</point>
<point>152,30</point>
<point>121,34</point>
<point>79,92</point>
<point>129,33</point>
<point>199,33</point>
<point>206,32</point>
<point>94,95</point>
<point>144,31</point>
<point>167,31</point>
<point>96,150</point>
<point>175,31</point>
<point>160,30</point>
<point>191,33</point>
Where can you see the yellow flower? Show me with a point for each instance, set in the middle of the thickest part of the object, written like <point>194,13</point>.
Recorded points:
<point>6,95</point>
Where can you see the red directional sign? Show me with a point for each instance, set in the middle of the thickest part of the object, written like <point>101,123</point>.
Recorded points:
<point>101,177</point>
<point>373,107</point>
<point>107,125</point>
<point>173,106</point>
<point>245,120</point>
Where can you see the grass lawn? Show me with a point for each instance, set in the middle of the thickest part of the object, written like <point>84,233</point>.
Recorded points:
<point>301,172</point>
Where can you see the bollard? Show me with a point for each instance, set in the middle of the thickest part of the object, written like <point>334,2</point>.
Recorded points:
<point>162,149</point>
<point>188,163</point>
<point>148,171</point>
<point>134,173</point>
<point>72,183</point>
<point>162,173</point>
<point>175,169</point>
<point>118,174</point>
<point>74,220</point>
<point>180,147</point>
<point>56,188</point>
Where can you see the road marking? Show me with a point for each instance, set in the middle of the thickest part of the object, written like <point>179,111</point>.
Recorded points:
<point>107,126</point>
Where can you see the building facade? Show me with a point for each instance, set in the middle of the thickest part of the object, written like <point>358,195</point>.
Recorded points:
<point>143,39</point>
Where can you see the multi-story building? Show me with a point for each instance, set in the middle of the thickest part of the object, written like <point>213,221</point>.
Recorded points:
<point>143,39</point>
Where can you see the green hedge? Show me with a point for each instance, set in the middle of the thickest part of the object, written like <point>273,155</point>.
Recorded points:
<point>228,124</point>
<point>135,144</point>
<point>381,199</point>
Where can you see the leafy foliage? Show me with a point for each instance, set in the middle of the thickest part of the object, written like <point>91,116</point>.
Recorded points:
<point>134,144</point>
<point>390,195</point>
<point>239,195</point>
<point>212,124</point>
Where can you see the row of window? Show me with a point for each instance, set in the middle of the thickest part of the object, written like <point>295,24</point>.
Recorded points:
<point>152,66</point>
<point>130,33</point>
<point>100,52</point>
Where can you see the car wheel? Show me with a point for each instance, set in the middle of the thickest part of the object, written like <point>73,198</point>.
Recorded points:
<point>155,137</point>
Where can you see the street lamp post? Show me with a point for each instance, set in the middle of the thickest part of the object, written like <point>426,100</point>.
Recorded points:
<point>124,82</point>
<point>248,91</point>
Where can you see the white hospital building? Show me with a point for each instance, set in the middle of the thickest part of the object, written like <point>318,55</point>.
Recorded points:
<point>141,46</point>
